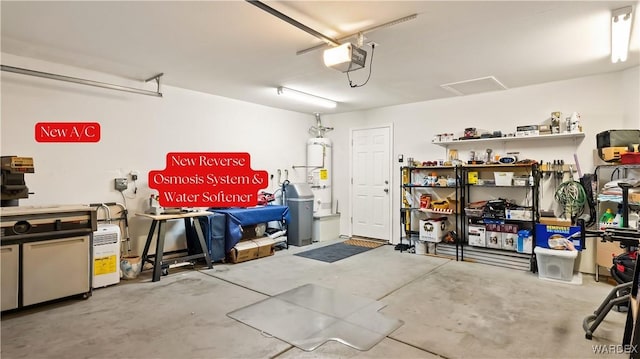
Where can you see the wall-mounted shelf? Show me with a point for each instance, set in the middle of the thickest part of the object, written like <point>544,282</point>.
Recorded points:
<point>575,136</point>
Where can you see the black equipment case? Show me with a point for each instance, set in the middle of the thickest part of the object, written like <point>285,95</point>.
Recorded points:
<point>617,138</point>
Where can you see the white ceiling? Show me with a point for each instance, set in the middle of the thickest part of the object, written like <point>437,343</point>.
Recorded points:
<point>236,50</point>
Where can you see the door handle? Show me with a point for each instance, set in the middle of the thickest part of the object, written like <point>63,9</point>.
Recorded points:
<point>386,190</point>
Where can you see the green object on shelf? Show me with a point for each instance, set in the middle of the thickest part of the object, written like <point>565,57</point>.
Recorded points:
<point>607,217</point>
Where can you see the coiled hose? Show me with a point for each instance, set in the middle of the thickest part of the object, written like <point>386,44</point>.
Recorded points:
<point>572,197</point>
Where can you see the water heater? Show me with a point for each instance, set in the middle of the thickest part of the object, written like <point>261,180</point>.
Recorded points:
<point>319,174</point>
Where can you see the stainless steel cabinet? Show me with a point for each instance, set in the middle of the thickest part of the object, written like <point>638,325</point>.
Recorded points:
<point>46,253</point>
<point>55,269</point>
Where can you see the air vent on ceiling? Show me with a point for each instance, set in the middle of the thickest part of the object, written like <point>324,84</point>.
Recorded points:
<point>473,86</point>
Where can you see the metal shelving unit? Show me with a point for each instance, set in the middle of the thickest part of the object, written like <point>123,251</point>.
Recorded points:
<point>472,193</point>
<point>606,173</point>
<point>413,184</point>
<point>602,175</point>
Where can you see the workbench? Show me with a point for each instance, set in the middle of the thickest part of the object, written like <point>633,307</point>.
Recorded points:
<point>159,222</point>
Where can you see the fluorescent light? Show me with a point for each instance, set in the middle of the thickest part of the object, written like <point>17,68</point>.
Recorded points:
<point>346,57</point>
<point>306,98</point>
<point>620,33</point>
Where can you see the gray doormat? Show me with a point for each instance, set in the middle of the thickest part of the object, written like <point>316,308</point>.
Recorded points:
<point>333,252</point>
<point>311,315</point>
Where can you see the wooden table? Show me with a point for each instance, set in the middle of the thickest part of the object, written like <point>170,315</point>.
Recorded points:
<point>159,221</point>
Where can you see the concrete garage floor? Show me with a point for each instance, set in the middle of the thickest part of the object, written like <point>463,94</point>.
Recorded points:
<point>450,309</point>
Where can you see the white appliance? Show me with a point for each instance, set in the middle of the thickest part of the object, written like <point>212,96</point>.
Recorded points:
<point>106,255</point>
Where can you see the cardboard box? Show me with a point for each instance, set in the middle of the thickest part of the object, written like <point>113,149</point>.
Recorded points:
<point>525,242</point>
<point>251,249</point>
<point>253,231</point>
<point>494,236</point>
<point>494,239</point>
<point>529,130</point>
<point>509,236</point>
<point>518,214</point>
<point>509,228</point>
<point>527,133</point>
<point>472,177</point>
<point>503,178</point>
<point>477,235</point>
<point>509,241</point>
<point>556,237</point>
<point>432,230</point>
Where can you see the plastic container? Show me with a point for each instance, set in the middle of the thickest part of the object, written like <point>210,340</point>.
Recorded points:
<point>477,235</point>
<point>555,264</point>
<point>520,181</point>
<point>525,241</point>
<point>630,158</point>
<point>421,247</point>
<point>503,178</point>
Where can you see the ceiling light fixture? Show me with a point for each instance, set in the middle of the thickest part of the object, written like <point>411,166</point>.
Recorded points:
<point>306,98</point>
<point>620,33</point>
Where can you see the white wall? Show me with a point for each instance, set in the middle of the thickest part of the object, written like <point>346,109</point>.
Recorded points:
<point>137,133</point>
<point>607,101</point>
<point>631,95</point>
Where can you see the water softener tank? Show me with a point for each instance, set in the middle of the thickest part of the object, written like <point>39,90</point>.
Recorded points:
<point>319,174</point>
<point>300,203</point>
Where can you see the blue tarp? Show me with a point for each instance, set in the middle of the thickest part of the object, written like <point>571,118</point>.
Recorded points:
<point>213,228</point>
<point>238,217</point>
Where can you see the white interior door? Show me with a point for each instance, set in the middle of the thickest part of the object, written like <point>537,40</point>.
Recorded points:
<point>371,189</point>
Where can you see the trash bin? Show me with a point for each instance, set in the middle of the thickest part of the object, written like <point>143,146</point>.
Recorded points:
<point>300,202</point>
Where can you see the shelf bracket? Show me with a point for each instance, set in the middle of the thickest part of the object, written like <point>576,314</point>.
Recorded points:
<point>157,78</point>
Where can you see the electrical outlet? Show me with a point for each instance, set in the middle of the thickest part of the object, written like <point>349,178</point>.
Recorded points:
<point>120,184</point>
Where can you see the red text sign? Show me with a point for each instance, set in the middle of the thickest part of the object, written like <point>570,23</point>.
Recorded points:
<point>67,132</point>
<point>208,179</point>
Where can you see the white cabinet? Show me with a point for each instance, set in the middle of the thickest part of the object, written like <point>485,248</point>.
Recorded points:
<point>9,257</point>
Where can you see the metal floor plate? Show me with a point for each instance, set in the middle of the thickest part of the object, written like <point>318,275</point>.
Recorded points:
<point>310,315</point>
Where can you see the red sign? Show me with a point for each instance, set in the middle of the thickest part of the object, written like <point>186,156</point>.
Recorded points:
<point>67,132</point>
<point>208,179</point>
